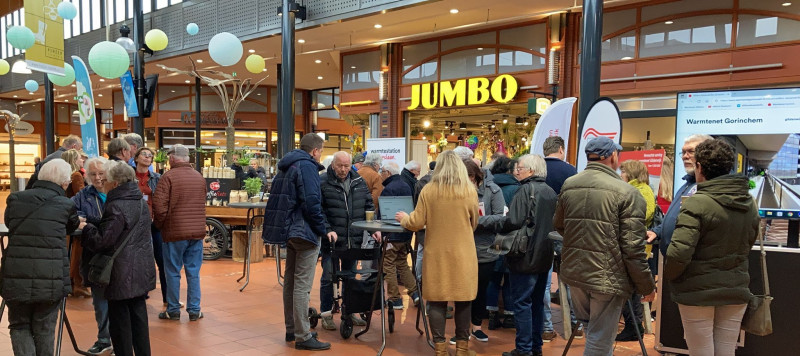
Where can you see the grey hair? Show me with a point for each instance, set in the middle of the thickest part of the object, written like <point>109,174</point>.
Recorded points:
<point>373,159</point>
<point>343,154</point>
<point>120,172</point>
<point>464,152</point>
<point>57,171</point>
<point>134,139</point>
<point>179,158</point>
<point>116,146</point>
<point>71,141</point>
<point>697,138</point>
<point>535,163</point>
<point>101,161</point>
<point>392,168</point>
<point>413,165</point>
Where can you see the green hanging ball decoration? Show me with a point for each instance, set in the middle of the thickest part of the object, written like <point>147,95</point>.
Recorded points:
<point>4,67</point>
<point>20,37</point>
<point>63,80</point>
<point>109,60</point>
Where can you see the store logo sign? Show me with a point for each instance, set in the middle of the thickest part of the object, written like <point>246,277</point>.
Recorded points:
<point>473,91</point>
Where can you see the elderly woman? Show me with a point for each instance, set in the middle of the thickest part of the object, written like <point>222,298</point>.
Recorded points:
<point>448,205</point>
<point>35,264</point>
<point>90,202</point>
<point>125,217</point>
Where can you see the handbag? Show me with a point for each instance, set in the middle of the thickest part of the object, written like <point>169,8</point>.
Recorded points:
<point>101,265</point>
<point>758,317</point>
<point>514,243</point>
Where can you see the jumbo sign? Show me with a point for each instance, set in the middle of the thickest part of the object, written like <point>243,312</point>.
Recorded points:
<point>473,91</point>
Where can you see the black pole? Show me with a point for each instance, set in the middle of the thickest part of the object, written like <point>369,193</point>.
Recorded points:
<point>198,161</point>
<point>590,57</point>
<point>49,114</point>
<point>279,86</point>
<point>138,66</point>
<point>286,114</point>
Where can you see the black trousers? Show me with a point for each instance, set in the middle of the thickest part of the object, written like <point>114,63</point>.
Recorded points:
<point>636,301</point>
<point>128,326</point>
<point>485,271</point>
<point>436,316</point>
<point>32,327</point>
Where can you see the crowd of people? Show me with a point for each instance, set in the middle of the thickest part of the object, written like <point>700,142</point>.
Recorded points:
<point>594,227</point>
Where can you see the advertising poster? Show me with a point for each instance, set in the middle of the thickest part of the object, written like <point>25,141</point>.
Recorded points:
<point>86,108</point>
<point>219,190</point>
<point>603,120</point>
<point>47,53</point>
<point>391,149</point>
<point>556,121</point>
<point>129,95</point>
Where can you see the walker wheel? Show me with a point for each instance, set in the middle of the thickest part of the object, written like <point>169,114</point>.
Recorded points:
<point>313,317</point>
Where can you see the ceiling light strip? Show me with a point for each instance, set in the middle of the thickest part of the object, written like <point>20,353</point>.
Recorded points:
<point>693,73</point>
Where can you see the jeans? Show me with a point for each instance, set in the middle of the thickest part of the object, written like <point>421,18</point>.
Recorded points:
<point>101,314</point>
<point>396,260</point>
<point>600,313</point>
<point>548,316</point>
<point>129,329</point>
<point>712,331</point>
<point>436,317</point>
<point>526,291</point>
<point>418,272</point>
<point>158,254</point>
<point>301,263</point>
<point>177,255</point>
<point>479,304</point>
<point>326,280</point>
<point>32,327</point>
<point>499,282</point>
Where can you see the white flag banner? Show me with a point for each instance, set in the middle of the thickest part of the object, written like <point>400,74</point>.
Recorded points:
<point>603,120</point>
<point>391,149</point>
<point>556,121</point>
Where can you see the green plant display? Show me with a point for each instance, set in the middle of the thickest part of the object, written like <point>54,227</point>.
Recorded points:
<point>161,156</point>
<point>252,186</point>
<point>751,183</point>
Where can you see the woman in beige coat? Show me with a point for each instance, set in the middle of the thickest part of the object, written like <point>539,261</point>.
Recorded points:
<point>448,210</point>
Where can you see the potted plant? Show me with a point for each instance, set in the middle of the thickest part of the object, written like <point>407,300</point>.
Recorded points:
<point>252,186</point>
<point>160,159</point>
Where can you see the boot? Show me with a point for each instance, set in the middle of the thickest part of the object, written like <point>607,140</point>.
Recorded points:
<point>462,348</point>
<point>441,349</point>
<point>494,320</point>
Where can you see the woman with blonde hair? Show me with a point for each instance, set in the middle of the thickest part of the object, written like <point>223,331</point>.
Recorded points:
<point>448,209</point>
<point>77,182</point>
<point>664,198</point>
<point>75,160</point>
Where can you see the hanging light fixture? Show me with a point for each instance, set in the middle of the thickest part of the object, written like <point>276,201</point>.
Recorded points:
<point>20,67</point>
<point>520,120</point>
<point>462,126</point>
<point>452,132</point>
<point>124,40</point>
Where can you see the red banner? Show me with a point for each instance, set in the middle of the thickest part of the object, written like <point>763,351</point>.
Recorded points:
<point>653,159</point>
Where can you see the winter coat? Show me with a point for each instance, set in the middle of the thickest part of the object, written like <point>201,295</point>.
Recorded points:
<point>343,208</point>
<point>35,265</point>
<point>493,205</point>
<point>508,184</point>
<point>397,186</point>
<point>557,173</point>
<point>602,221</point>
<point>538,257</point>
<point>133,274</point>
<point>667,227</point>
<point>420,235</point>
<point>374,182</point>
<point>179,204</point>
<point>649,199</point>
<point>89,206</point>
<point>294,207</point>
<point>409,178</point>
<point>77,182</point>
<point>707,261</point>
<point>451,266</point>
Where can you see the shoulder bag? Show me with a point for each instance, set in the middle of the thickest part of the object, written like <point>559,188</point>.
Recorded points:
<point>514,243</point>
<point>100,265</point>
<point>758,318</point>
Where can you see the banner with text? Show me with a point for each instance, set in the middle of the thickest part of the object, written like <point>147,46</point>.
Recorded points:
<point>603,120</point>
<point>86,108</point>
<point>653,159</point>
<point>391,149</point>
<point>556,121</point>
<point>47,53</point>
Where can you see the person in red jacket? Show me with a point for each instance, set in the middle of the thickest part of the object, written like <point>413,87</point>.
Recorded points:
<point>179,211</point>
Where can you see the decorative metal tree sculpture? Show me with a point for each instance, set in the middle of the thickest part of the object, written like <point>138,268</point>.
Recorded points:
<point>231,97</point>
<point>12,119</point>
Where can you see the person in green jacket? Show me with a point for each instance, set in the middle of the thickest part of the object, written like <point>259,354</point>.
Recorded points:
<point>707,260</point>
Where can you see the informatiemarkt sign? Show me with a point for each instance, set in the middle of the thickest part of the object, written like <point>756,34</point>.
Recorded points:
<point>462,92</point>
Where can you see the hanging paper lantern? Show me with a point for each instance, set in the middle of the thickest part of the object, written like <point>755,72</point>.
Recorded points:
<point>225,49</point>
<point>31,85</point>
<point>472,142</point>
<point>20,37</point>
<point>4,67</point>
<point>254,63</point>
<point>192,29</point>
<point>63,80</point>
<point>67,10</point>
<point>109,60</point>
<point>156,39</point>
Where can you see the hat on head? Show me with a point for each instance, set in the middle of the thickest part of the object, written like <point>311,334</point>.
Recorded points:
<point>601,146</point>
<point>359,158</point>
<point>178,150</point>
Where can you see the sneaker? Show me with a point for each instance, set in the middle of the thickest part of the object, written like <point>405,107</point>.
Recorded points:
<point>453,339</point>
<point>397,304</point>
<point>514,352</point>
<point>509,322</point>
<point>181,303</point>
<point>357,320</point>
<point>415,298</point>
<point>480,336</point>
<point>290,336</point>
<point>494,320</point>
<point>548,336</point>
<point>99,348</point>
<point>579,332</point>
<point>327,323</point>
<point>195,316</point>
<point>312,344</point>
<point>166,315</point>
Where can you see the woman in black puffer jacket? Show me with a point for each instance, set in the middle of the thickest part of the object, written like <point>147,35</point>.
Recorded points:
<point>132,276</point>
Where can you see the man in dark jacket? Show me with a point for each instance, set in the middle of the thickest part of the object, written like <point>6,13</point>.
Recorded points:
<point>345,199</point>
<point>602,221</point>
<point>410,173</point>
<point>396,258</point>
<point>179,211</point>
<point>532,210</point>
<point>35,273</point>
<point>70,142</point>
<point>118,150</point>
<point>294,217</point>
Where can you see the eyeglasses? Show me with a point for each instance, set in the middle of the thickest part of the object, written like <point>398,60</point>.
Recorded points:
<point>146,155</point>
<point>689,152</point>
<point>519,168</point>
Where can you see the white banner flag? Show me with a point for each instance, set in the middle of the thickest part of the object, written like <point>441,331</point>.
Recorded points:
<point>603,120</point>
<point>556,121</point>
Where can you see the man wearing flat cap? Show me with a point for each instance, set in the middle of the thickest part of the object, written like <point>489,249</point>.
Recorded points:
<point>179,211</point>
<point>602,220</point>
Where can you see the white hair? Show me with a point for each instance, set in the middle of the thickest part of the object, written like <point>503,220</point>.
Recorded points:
<point>413,165</point>
<point>120,172</point>
<point>392,168</point>
<point>373,159</point>
<point>697,138</point>
<point>56,170</point>
<point>343,154</point>
<point>464,152</point>
<point>536,163</point>
<point>134,139</point>
<point>100,161</point>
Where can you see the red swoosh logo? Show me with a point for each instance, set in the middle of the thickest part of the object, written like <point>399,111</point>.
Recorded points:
<point>592,132</point>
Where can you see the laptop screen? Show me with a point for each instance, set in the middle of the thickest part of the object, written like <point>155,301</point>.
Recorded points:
<point>391,205</point>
